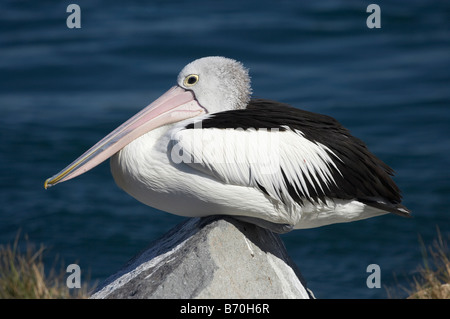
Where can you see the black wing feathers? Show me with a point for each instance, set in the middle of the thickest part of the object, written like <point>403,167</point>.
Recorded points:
<point>359,175</point>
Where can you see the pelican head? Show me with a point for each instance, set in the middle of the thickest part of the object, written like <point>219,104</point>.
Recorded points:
<point>218,83</point>
<point>206,85</point>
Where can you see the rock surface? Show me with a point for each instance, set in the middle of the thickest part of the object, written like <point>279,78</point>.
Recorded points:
<point>213,257</point>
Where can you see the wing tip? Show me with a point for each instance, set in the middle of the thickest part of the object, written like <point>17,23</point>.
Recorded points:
<point>401,210</point>
<point>391,207</point>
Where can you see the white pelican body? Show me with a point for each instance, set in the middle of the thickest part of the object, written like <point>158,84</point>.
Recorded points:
<point>145,171</point>
<point>156,181</point>
<point>205,148</point>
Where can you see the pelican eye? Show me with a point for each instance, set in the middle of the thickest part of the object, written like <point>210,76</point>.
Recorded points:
<point>191,80</point>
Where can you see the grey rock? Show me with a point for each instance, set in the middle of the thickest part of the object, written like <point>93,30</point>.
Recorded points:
<point>212,257</point>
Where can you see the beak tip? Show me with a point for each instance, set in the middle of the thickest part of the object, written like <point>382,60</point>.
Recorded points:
<point>47,184</point>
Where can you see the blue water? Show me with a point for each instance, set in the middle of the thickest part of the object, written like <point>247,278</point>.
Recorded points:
<point>62,89</point>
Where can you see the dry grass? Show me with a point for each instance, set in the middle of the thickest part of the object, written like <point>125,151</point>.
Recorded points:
<point>433,281</point>
<point>22,275</point>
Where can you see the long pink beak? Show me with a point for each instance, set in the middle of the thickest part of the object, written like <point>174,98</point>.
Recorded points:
<point>175,105</point>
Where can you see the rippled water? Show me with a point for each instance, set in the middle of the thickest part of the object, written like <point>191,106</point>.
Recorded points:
<point>62,89</point>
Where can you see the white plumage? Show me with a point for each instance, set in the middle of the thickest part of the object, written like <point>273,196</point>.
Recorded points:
<point>247,157</point>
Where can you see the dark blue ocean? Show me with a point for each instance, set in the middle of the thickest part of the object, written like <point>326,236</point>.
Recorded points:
<point>62,89</point>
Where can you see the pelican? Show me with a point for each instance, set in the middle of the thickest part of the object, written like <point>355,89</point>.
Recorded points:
<point>205,147</point>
